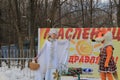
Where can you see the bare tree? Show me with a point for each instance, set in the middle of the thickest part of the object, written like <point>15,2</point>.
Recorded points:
<point>117,4</point>
<point>20,19</point>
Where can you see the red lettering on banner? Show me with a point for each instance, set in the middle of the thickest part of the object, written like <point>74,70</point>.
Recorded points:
<point>68,33</point>
<point>113,32</point>
<point>71,59</point>
<point>81,59</point>
<point>97,60</point>
<point>77,33</point>
<point>109,29</point>
<point>86,33</point>
<point>76,58</point>
<point>93,33</point>
<point>61,33</point>
<point>92,60</point>
<point>118,34</point>
<point>87,59</point>
<point>46,33</point>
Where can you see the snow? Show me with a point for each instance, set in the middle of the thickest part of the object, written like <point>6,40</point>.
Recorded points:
<point>15,73</point>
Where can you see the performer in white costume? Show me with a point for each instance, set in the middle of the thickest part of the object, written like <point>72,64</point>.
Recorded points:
<point>52,56</point>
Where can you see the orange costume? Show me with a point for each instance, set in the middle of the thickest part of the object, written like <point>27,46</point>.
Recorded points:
<point>107,65</point>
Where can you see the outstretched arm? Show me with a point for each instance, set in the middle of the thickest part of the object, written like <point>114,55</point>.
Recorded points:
<point>41,51</point>
<point>109,54</point>
<point>62,41</point>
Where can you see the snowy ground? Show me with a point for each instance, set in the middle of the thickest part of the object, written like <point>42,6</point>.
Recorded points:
<point>15,73</point>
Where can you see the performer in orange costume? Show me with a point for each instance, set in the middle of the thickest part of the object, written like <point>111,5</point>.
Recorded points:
<point>107,65</point>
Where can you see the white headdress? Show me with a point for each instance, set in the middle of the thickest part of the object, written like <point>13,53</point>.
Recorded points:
<point>53,31</point>
<point>107,38</point>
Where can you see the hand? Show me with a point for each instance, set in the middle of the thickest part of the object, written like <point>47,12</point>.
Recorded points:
<point>35,58</point>
<point>106,65</point>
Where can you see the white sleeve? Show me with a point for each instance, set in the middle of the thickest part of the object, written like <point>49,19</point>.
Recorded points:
<point>62,42</point>
<point>63,51</point>
<point>42,49</point>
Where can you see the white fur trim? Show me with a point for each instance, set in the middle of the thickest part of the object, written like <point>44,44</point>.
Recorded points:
<point>53,31</point>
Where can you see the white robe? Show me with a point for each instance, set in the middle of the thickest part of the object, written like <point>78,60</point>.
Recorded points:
<point>52,55</point>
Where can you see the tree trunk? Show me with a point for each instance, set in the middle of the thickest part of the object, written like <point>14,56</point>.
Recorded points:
<point>53,10</point>
<point>110,15</point>
<point>18,28</point>
<point>32,28</point>
<point>21,54</point>
<point>46,13</point>
<point>60,14</point>
<point>91,2</point>
<point>118,14</point>
<point>118,11</point>
<point>83,21</point>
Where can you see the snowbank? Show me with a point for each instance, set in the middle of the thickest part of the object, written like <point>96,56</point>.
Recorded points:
<point>15,73</point>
